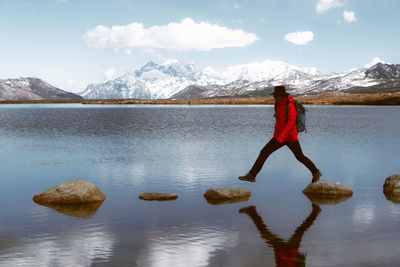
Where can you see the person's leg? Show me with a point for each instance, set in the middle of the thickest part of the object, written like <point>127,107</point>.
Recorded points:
<point>271,238</point>
<point>295,147</point>
<point>270,147</point>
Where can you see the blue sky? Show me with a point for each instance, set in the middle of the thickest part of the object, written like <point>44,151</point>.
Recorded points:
<point>71,43</point>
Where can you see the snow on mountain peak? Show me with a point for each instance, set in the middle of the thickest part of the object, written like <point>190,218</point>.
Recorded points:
<point>375,61</point>
<point>259,71</point>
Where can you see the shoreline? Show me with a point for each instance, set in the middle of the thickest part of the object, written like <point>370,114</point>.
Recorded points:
<point>329,98</point>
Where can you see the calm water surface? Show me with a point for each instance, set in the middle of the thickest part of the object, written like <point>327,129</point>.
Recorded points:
<point>128,150</point>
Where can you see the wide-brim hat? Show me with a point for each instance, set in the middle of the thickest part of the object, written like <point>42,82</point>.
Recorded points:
<point>280,90</point>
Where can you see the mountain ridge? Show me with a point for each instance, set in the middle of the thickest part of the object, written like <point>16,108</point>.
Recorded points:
<point>30,88</point>
<point>175,80</point>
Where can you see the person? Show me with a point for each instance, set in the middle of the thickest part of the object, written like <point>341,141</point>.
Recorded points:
<point>286,252</point>
<point>285,134</point>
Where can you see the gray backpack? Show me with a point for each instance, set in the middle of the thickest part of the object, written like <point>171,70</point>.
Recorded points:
<point>301,115</point>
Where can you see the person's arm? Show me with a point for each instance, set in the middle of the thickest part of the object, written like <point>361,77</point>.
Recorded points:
<point>292,113</point>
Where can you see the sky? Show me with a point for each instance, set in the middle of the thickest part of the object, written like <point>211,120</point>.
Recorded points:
<point>73,43</point>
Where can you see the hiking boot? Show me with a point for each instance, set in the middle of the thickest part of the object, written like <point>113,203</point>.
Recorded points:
<point>248,178</point>
<point>315,177</point>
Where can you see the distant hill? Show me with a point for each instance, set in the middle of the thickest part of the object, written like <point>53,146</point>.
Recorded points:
<point>32,89</point>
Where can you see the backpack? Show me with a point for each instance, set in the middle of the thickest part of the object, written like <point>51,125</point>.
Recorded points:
<point>301,115</point>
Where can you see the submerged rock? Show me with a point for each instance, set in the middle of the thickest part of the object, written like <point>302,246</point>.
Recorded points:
<point>391,188</point>
<point>226,195</point>
<point>328,192</point>
<point>158,196</point>
<point>70,192</point>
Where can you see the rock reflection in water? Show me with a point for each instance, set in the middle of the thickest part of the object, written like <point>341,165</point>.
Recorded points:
<point>392,198</point>
<point>326,199</point>
<point>229,201</point>
<point>286,252</point>
<point>84,210</point>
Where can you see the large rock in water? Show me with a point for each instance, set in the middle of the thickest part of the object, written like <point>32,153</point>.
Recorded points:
<point>391,188</point>
<point>327,192</point>
<point>226,195</point>
<point>158,196</point>
<point>70,192</point>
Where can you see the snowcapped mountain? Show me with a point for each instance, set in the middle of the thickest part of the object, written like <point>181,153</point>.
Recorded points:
<point>174,80</point>
<point>32,89</point>
<point>378,78</point>
<point>152,81</point>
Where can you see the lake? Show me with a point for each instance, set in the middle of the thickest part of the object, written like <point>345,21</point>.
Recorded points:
<point>128,150</point>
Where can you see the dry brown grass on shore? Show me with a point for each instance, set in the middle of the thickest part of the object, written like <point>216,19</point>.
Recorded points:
<point>339,98</point>
<point>330,98</point>
<point>204,101</point>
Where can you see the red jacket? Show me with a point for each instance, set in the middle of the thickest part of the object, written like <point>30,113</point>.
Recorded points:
<point>285,131</point>
<point>286,257</point>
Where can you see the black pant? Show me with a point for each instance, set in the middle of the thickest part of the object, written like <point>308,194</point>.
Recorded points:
<point>274,145</point>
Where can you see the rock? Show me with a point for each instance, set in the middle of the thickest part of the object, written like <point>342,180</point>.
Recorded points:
<point>70,192</point>
<point>226,195</point>
<point>327,192</point>
<point>391,188</point>
<point>158,196</point>
<point>84,210</point>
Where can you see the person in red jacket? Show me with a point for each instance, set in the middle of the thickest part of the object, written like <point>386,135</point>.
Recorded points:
<point>285,134</point>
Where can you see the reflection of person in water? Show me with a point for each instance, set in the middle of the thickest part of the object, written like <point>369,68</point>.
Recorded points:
<point>286,252</point>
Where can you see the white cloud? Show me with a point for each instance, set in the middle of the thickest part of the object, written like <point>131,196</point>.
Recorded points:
<point>237,6</point>
<point>300,38</point>
<point>184,36</point>
<point>184,250</point>
<point>263,19</point>
<point>61,1</point>
<point>363,215</point>
<point>324,5</point>
<point>109,74</point>
<point>76,248</point>
<point>349,16</point>
<point>374,61</point>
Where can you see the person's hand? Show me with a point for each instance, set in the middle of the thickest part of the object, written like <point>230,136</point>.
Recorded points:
<point>277,141</point>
